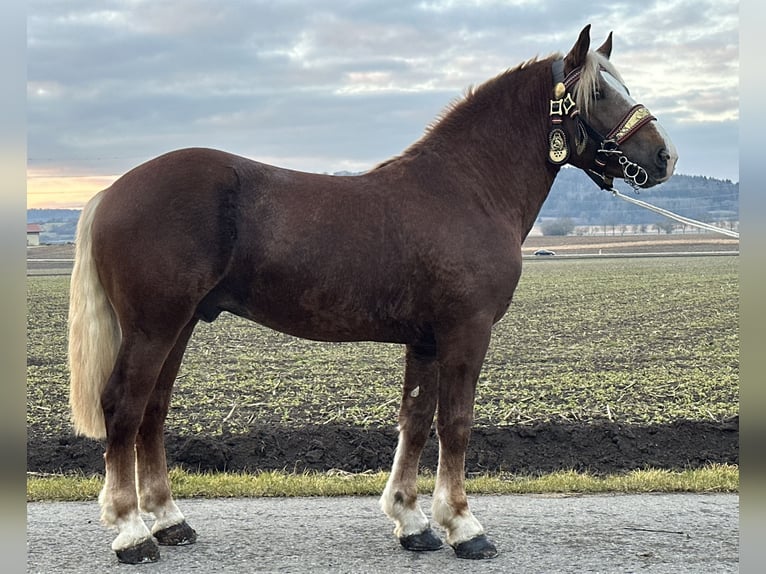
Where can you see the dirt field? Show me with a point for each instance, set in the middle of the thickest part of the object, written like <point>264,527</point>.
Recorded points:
<point>598,448</point>
<point>602,447</point>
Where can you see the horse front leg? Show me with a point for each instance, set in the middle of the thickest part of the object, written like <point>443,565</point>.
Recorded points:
<point>460,358</point>
<point>416,414</point>
<point>154,495</point>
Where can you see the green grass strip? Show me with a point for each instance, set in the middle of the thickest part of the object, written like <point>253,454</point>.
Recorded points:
<point>712,478</point>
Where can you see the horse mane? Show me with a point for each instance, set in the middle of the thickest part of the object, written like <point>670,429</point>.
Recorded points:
<point>454,112</point>
<point>473,93</point>
<point>583,93</point>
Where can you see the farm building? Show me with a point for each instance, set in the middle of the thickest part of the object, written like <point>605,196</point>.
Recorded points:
<point>33,234</point>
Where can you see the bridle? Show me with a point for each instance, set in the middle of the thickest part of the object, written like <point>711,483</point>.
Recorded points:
<point>562,105</point>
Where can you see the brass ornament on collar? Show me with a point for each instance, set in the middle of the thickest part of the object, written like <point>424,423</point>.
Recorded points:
<point>558,148</point>
<point>562,106</point>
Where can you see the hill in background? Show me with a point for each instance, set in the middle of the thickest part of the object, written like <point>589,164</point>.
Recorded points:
<point>573,196</point>
<point>576,197</point>
<point>58,225</point>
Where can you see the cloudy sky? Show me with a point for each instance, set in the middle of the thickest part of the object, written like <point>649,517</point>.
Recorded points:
<point>343,85</point>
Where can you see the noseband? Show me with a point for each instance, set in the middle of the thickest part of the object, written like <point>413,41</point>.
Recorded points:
<point>563,105</point>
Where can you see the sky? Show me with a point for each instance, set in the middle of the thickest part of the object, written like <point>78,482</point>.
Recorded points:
<point>338,86</point>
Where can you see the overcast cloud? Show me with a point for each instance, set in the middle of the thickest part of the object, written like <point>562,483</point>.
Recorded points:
<point>342,85</point>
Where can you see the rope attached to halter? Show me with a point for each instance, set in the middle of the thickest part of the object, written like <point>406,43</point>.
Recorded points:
<point>675,216</point>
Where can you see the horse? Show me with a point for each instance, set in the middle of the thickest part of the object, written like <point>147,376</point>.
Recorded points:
<point>423,250</point>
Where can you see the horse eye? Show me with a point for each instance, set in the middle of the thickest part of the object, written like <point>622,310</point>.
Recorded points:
<point>598,94</point>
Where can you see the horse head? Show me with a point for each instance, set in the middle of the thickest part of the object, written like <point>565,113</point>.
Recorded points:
<point>611,135</point>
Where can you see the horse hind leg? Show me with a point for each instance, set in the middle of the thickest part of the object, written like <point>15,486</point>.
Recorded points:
<point>399,498</point>
<point>124,400</point>
<point>154,494</point>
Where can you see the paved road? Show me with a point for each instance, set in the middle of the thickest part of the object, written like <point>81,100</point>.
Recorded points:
<point>677,533</point>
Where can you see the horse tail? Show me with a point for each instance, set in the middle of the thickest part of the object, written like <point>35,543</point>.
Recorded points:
<point>94,333</point>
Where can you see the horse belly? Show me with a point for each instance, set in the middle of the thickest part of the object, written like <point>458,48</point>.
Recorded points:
<point>322,308</point>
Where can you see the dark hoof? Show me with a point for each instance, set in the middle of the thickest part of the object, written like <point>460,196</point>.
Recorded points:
<point>146,551</point>
<point>478,548</point>
<point>425,540</point>
<point>179,534</point>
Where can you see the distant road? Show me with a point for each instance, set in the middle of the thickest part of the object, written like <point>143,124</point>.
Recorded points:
<point>51,266</point>
<point>628,255</point>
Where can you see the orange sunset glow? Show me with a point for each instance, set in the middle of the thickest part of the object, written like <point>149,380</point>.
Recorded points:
<point>45,191</point>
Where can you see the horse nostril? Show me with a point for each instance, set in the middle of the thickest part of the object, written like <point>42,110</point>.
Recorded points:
<point>662,158</point>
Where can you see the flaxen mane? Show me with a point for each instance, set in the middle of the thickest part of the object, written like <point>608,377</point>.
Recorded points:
<point>470,103</point>
<point>585,90</point>
<point>584,93</point>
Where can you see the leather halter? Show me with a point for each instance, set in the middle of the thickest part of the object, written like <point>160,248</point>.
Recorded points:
<point>559,151</point>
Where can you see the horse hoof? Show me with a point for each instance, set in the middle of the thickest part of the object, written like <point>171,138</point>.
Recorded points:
<point>478,548</point>
<point>179,534</point>
<point>422,541</point>
<point>146,551</point>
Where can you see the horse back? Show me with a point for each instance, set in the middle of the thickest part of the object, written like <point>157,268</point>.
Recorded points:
<point>375,256</point>
<point>378,256</point>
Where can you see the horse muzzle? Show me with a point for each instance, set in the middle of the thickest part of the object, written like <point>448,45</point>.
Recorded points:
<point>658,171</point>
<point>666,157</point>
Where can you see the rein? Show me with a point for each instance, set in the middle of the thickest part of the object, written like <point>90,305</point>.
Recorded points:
<point>559,153</point>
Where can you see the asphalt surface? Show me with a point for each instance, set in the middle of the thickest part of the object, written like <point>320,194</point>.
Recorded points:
<point>668,533</point>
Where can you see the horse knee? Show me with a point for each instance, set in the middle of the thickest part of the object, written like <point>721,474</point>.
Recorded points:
<point>454,432</point>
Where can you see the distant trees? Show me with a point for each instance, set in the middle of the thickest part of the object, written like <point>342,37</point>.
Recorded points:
<point>562,226</point>
<point>666,226</point>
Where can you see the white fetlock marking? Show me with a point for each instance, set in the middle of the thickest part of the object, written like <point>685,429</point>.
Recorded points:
<point>465,527</point>
<point>166,516</point>
<point>407,520</point>
<point>459,527</point>
<point>131,528</point>
<point>132,532</point>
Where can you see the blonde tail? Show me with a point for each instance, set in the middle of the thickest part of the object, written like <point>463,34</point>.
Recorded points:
<point>94,334</point>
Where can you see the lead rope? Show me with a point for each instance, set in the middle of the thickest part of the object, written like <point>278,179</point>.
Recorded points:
<point>675,216</point>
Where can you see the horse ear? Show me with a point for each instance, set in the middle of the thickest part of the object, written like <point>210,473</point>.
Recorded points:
<point>606,48</point>
<point>576,56</point>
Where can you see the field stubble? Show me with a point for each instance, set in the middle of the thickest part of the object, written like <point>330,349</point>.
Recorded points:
<point>630,344</point>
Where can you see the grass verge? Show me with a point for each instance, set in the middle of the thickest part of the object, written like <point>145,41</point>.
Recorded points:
<point>712,478</point>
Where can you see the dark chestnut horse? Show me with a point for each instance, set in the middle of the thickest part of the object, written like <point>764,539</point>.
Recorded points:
<point>424,250</point>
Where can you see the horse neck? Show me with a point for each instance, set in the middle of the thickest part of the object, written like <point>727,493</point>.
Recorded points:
<point>494,144</point>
